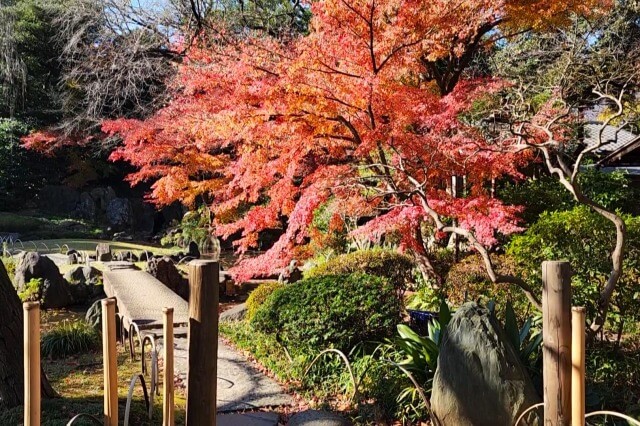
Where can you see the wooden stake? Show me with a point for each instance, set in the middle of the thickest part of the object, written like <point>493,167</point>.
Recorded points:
<point>204,285</point>
<point>168,418</point>
<point>31,363</point>
<point>556,350</point>
<point>110,361</point>
<point>578,394</point>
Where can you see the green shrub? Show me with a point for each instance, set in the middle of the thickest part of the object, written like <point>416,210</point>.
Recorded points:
<point>613,378</point>
<point>337,311</point>
<point>585,239</point>
<point>259,295</point>
<point>32,291</point>
<point>611,190</point>
<point>394,266</point>
<point>69,338</point>
<point>194,226</point>
<point>10,266</point>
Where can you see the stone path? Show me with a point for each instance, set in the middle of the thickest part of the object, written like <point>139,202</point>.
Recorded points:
<point>141,298</point>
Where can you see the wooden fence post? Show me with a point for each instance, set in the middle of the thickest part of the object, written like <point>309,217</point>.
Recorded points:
<point>556,349</point>
<point>110,362</point>
<point>168,418</point>
<point>204,284</point>
<point>32,372</point>
<point>578,393</point>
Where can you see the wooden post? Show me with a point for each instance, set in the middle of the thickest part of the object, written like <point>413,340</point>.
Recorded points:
<point>556,349</point>
<point>31,363</point>
<point>110,362</point>
<point>578,394</point>
<point>168,418</point>
<point>204,284</point>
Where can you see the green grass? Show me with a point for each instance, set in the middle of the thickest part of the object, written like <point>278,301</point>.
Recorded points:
<point>34,227</point>
<point>11,222</point>
<point>69,338</point>
<point>79,381</point>
<point>90,245</point>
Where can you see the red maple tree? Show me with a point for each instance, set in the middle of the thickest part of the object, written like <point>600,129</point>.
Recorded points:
<point>366,112</point>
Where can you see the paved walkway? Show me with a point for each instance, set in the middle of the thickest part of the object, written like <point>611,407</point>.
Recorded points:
<point>141,298</point>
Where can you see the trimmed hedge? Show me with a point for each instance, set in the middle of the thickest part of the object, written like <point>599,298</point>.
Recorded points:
<point>336,311</point>
<point>259,295</point>
<point>394,266</point>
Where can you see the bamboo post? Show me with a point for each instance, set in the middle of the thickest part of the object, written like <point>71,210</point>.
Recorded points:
<point>556,349</point>
<point>110,361</point>
<point>168,418</point>
<point>32,373</point>
<point>578,394</point>
<point>204,287</point>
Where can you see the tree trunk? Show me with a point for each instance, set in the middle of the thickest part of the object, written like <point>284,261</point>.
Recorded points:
<point>11,347</point>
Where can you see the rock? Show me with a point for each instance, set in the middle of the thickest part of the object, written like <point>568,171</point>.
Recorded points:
<point>83,293</point>
<point>84,283</point>
<point>55,290</point>
<point>102,197</point>
<point>86,208</point>
<point>73,259</point>
<point>166,272</point>
<point>120,213</point>
<point>237,313</point>
<point>83,275</point>
<point>58,199</point>
<point>103,252</point>
<point>93,317</point>
<point>291,274</point>
<point>248,419</point>
<point>480,379</point>
<point>127,256</point>
<point>193,250</point>
<point>318,418</point>
<point>122,236</point>
<point>145,255</point>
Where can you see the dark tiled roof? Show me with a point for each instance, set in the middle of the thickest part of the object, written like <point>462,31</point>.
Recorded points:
<point>614,137</point>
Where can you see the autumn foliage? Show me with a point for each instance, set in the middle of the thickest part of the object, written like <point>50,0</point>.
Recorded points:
<point>367,113</point>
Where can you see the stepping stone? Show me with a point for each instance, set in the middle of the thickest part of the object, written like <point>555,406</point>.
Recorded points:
<point>318,418</point>
<point>237,313</point>
<point>248,419</point>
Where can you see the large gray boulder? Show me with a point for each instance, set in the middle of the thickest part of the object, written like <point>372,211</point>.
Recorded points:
<point>55,290</point>
<point>237,313</point>
<point>480,379</point>
<point>166,272</point>
<point>86,208</point>
<point>102,197</point>
<point>83,275</point>
<point>120,213</point>
<point>93,317</point>
<point>103,252</point>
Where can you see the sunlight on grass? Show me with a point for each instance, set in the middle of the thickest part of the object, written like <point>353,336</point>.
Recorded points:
<point>79,381</point>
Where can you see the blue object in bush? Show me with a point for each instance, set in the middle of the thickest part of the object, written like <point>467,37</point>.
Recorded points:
<point>420,320</point>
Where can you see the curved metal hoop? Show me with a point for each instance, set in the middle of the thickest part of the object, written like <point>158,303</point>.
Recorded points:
<point>155,375</point>
<point>630,420</point>
<point>533,407</point>
<point>84,416</point>
<point>133,327</point>
<point>132,386</point>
